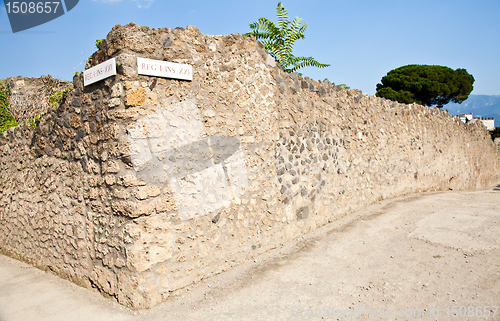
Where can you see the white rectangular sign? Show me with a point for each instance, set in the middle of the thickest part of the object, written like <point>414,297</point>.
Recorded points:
<point>99,72</point>
<point>166,69</point>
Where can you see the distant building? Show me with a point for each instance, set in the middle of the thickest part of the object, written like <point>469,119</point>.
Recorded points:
<point>465,117</point>
<point>488,122</point>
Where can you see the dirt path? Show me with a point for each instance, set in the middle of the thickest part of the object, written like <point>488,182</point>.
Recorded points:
<point>415,257</point>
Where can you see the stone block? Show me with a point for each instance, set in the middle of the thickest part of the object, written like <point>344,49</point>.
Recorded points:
<point>130,180</point>
<point>133,209</point>
<point>136,97</point>
<point>117,90</point>
<point>146,192</point>
<point>153,242</point>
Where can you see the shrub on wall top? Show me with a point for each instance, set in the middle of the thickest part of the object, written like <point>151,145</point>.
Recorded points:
<point>6,118</point>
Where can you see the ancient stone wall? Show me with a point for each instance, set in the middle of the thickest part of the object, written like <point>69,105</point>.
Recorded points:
<point>141,185</point>
<point>31,97</point>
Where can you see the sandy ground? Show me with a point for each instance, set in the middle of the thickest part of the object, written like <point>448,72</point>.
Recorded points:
<point>433,256</point>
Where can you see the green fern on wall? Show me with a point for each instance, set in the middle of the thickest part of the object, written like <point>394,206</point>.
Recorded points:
<point>279,40</point>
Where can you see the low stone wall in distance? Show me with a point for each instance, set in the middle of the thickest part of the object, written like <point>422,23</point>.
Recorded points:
<point>141,185</point>
<point>31,97</point>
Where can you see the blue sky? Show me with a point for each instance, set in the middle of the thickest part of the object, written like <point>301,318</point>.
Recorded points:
<point>361,39</point>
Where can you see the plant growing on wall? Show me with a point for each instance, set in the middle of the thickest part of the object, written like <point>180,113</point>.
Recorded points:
<point>279,40</point>
<point>58,96</point>
<point>6,118</point>
<point>97,43</point>
<point>341,85</point>
<point>429,85</point>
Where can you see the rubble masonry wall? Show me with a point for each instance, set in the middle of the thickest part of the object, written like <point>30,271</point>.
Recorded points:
<point>141,185</point>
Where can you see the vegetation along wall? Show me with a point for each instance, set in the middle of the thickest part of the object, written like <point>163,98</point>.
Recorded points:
<point>140,185</point>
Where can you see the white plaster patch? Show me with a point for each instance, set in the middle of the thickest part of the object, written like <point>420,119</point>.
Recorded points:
<point>205,173</point>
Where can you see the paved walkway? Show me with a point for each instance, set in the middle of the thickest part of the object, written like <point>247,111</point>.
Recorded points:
<point>415,257</point>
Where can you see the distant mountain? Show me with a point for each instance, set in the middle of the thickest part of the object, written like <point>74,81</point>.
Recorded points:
<point>479,106</point>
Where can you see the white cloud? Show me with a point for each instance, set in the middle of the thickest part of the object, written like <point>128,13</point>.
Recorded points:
<point>108,1</point>
<point>143,3</point>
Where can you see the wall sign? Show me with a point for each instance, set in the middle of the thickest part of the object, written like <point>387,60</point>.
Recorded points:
<point>166,69</point>
<point>99,72</point>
